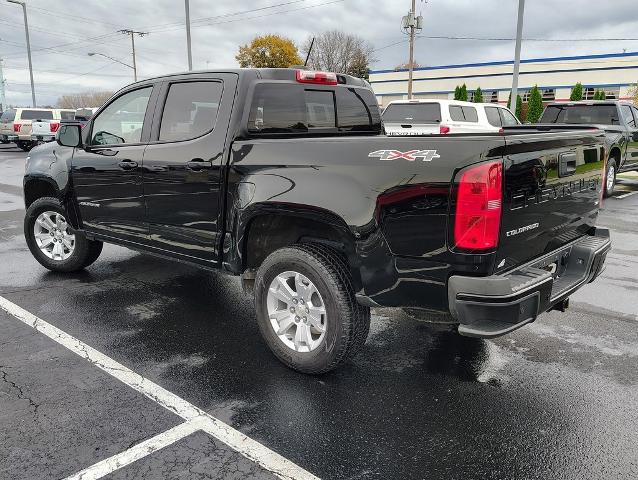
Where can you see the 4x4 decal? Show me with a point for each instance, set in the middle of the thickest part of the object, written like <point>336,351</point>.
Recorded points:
<point>410,155</point>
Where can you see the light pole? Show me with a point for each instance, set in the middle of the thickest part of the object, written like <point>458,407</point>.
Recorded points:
<point>115,60</point>
<point>26,29</point>
<point>517,55</point>
<point>188,35</point>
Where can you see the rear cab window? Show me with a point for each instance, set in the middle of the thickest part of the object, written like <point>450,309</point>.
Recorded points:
<point>284,108</point>
<point>36,115</point>
<point>604,114</point>
<point>411,113</point>
<point>460,113</point>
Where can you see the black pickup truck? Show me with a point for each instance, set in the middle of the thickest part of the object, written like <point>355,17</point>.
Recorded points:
<point>286,178</point>
<point>619,121</point>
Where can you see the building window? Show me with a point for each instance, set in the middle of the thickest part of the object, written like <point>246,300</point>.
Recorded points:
<point>610,93</point>
<point>547,94</point>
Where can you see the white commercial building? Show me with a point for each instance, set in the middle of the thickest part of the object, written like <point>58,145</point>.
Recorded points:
<point>615,73</point>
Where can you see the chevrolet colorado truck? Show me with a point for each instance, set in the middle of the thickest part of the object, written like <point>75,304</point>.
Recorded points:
<point>619,121</point>
<point>285,178</point>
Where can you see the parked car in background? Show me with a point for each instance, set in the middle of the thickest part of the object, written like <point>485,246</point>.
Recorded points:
<point>16,125</point>
<point>428,117</point>
<point>619,121</point>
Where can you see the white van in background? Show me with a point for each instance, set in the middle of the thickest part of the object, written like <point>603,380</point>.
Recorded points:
<point>430,117</point>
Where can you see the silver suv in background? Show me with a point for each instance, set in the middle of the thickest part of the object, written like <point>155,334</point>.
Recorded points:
<point>431,117</point>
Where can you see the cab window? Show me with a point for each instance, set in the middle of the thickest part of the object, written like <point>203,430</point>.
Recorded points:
<point>508,118</point>
<point>121,121</point>
<point>463,114</point>
<point>8,116</point>
<point>493,117</point>
<point>625,110</point>
<point>190,110</point>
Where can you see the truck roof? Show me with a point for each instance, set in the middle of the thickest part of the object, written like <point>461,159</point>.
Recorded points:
<point>263,73</point>
<point>591,102</point>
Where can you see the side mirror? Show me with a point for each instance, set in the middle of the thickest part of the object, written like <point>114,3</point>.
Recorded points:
<point>69,135</point>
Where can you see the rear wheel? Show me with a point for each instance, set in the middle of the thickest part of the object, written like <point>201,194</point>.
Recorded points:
<point>25,146</point>
<point>306,308</point>
<point>610,177</point>
<point>53,243</point>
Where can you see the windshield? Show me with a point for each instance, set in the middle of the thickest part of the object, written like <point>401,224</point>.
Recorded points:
<point>412,113</point>
<point>578,114</point>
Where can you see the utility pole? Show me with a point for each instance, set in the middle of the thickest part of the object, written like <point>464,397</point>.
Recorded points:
<point>411,25</point>
<point>517,55</point>
<point>26,29</point>
<point>132,33</point>
<point>3,100</point>
<point>188,35</point>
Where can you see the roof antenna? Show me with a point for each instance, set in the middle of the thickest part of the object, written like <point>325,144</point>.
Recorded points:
<point>305,64</point>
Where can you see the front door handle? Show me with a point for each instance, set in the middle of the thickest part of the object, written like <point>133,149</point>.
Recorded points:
<point>127,164</point>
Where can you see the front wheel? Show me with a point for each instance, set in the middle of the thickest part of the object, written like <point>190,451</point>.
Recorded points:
<point>53,243</point>
<point>306,308</point>
<point>610,177</point>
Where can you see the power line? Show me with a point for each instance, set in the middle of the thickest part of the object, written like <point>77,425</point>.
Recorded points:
<point>231,14</point>
<point>511,39</point>
<point>281,12</point>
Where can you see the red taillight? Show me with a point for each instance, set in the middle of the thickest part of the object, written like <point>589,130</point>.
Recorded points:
<point>501,130</point>
<point>53,126</point>
<point>16,127</point>
<point>443,129</point>
<point>478,207</point>
<point>311,76</point>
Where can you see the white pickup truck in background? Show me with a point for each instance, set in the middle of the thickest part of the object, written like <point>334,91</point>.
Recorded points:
<point>44,130</point>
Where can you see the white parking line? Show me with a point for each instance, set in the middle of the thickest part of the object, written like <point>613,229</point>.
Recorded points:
<point>251,449</point>
<point>137,452</point>
<point>625,195</point>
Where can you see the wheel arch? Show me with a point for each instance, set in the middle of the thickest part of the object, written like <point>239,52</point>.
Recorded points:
<point>41,186</point>
<point>270,227</point>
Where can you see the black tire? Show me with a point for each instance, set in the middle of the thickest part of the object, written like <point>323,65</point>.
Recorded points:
<point>24,146</point>
<point>611,164</point>
<point>347,323</point>
<point>84,253</point>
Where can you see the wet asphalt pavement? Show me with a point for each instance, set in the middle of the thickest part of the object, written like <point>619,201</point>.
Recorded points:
<point>557,399</point>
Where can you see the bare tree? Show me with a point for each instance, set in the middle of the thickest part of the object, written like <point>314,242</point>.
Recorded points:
<point>84,99</point>
<point>338,51</point>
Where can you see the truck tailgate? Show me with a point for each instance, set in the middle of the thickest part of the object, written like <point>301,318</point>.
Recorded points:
<point>552,191</point>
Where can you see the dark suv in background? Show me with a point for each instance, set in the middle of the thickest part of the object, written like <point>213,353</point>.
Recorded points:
<point>618,119</point>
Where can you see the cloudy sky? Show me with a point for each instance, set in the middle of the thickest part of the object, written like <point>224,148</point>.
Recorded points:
<point>63,32</point>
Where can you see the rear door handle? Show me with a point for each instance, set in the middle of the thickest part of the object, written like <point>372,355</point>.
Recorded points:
<point>127,164</point>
